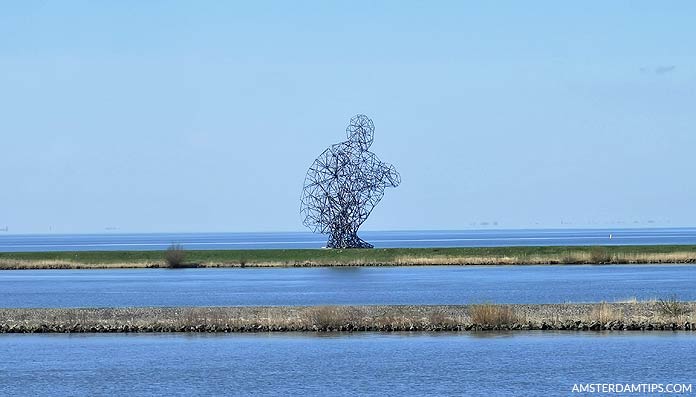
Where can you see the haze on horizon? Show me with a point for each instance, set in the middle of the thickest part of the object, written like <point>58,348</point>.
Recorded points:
<point>179,116</point>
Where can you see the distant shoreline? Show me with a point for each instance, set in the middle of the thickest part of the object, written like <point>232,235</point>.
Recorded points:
<point>629,316</point>
<point>542,255</point>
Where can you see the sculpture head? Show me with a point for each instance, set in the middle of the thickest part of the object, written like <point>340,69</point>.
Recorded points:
<point>361,131</point>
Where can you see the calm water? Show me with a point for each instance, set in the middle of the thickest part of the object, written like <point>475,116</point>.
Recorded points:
<point>520,364</point>
<point>316,286</point>
<point>427,239</point>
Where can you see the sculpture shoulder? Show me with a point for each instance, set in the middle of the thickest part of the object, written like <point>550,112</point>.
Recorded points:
<point>341,150</point>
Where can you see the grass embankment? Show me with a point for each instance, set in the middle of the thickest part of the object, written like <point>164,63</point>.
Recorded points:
<point>356,257</point>
<point>660,315</point>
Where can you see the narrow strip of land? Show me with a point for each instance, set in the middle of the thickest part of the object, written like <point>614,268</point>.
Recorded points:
<point>355,257</point>
<point>649,315</point>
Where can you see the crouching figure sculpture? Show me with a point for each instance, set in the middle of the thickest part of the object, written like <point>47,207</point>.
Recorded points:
<point>344,184</point>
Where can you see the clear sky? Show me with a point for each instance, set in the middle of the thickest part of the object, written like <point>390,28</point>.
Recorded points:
<point>165,116</point>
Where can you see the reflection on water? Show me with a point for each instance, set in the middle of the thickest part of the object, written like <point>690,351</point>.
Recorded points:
<point>489,335</point>
<point>476,364</point>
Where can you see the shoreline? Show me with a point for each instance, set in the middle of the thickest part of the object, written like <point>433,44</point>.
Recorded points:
<point>631,316</point>
<point>540,255</point>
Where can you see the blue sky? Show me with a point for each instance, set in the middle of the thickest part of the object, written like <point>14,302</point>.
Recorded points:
<point>204,116</point>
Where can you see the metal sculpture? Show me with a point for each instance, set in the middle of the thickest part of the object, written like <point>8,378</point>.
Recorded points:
<point>344,184</point>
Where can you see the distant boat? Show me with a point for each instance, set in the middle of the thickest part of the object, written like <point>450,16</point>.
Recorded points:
<point>610,236</point>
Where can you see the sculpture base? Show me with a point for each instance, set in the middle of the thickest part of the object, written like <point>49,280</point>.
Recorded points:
<point>352,241</point>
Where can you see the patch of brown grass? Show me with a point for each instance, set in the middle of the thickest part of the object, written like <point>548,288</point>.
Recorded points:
<point>331,317</point>
<point>672,308</point>
<point>604,313</point>
<point>440,319</point>
<point>23,264</point>
<point>600,255</point>
<point>491,314</point>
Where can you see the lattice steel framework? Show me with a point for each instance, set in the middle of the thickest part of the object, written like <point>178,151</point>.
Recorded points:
<point>344,184</point>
